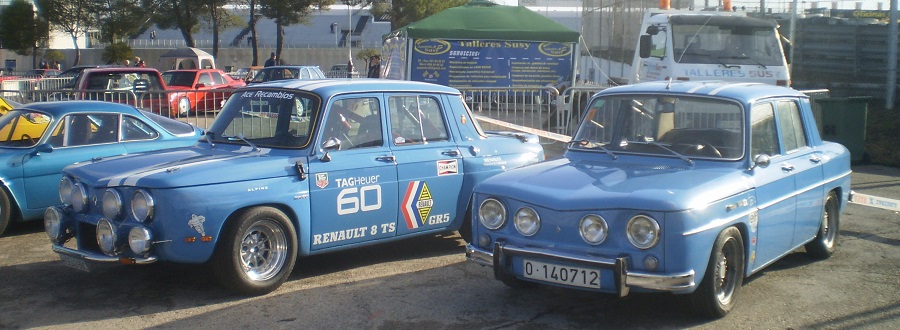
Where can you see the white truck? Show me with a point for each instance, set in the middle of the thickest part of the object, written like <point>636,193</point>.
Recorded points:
<point>707,45</point>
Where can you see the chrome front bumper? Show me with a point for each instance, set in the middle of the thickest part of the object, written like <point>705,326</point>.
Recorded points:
<point>97,258</point>
<point>624,278</point>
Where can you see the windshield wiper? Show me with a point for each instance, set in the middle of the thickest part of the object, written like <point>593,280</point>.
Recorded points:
<point>241,136</point>
<point>595,145</point>
<point>748,58</point>
<point>683,157</point>
<point>721,62</point>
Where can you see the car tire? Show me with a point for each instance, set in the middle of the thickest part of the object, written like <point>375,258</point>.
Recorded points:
<point>257,251</point>
<point>6,212</point>
<point>825,243</point>
<point>184,106</point>
<point>718,291</point>
<point>465,230</point>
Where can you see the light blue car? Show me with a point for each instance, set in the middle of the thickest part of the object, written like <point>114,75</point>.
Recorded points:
<point>288,169</point>
<point>38,139</point>
<point>685,187</point>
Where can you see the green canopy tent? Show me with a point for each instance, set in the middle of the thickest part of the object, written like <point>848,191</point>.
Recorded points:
<point>479,32</point>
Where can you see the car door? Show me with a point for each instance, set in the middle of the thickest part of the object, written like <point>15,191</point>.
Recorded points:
<point>429,163</point>
<point>774,187</point>
<point>354,196</point>
<point>76,137</point>
<point>805,166</point>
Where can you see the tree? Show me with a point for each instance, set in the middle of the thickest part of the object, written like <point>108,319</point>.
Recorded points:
<point>405,12</point>
<point>117,53</point>
<point>20,30</point>
<point>183,15</point>
<point>289,12</point>
<point>119,19</point>
<point>218,18</point>
<point>74,17</point>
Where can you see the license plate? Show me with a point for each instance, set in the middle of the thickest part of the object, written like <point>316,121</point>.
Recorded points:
<point>74,262</point>
<point>567,275</point>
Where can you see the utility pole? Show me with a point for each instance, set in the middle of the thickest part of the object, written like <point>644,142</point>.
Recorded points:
<point>892,59</point>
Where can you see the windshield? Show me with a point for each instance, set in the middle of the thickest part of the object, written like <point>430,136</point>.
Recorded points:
<point>712,44</point>
<point>267,118</point>
<point>22,128</point>
<point>663,125</point>
<point>271,74</point>
<point>184,79</point>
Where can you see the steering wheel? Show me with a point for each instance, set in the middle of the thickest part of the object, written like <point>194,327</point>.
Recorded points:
<point>26,136</point>
<point>697,148</point>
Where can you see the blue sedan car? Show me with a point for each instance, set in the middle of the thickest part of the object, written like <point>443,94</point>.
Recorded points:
<point>289,168</point>
<point>37,140</point>
<point>686,187</point>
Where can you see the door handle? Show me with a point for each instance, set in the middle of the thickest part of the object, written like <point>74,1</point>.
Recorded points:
<point>387,159</point>
<point>787,167</point>
<point>453,153</point>
<point>815,159</point>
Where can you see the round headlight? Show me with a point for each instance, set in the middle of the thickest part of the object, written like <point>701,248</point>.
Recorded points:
<point>142,205</point>
<point>112,204</point>
<point>79,197</point>
<point>491,213</point>
<point>527,221</point>
<point>593,229</point>
<point>106,237</point>
<point>52,219</point>
<point>65,190</point>
<point>139,240</point>
<point>643,232</point>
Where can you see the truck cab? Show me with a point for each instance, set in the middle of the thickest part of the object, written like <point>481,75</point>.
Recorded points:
<point>692,45</point>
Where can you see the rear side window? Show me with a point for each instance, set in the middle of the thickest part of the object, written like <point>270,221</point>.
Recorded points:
<point>416,119</point>
<point>170,125</point>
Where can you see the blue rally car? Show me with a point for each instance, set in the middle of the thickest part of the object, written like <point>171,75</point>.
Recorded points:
<point>288,168</point>
<point>38,139</point>
<point>684,187</point>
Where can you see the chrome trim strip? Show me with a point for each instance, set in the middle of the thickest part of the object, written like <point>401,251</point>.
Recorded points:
<point>99,258</point>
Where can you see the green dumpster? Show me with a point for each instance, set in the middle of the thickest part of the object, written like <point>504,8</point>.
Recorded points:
<point>843,120</point>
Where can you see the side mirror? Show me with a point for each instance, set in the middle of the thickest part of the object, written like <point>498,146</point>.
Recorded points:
<point>43,149</point>
<point>328,146</point>
<point>761,160</point>
<point>199,86</point>
<point>644,45</point>
<point>653,30</point>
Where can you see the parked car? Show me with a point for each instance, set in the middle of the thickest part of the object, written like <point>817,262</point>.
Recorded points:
<point>340,71</point>
<point>213,87</point>
<point>41,73</point>
<point>289,168</point>
<point>38,139</point>
<point>245,73</point>
<point>282,72</point>
<point>7,105</point>
<point>681,187</point>
<point>142,87</point>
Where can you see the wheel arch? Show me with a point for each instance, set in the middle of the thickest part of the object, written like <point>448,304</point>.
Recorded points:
<point>299,226</point>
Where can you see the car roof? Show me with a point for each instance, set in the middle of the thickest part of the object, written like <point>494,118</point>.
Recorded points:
<point>64,107</point>
<point>348,85</point>
<point>121,69</point>
<point>290,66</point>
<point>741,91</point>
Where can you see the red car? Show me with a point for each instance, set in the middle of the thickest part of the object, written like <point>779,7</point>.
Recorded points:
<point>212,86</point>
<point>141,87</point>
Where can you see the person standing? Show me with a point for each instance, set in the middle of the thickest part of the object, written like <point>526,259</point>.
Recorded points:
<point>270,61</point>
<point>350,68</point>
<point>374,67</point>
<point>137,61</point>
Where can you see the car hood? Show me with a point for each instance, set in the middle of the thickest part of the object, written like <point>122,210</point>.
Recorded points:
<point>591,185</point>
<point>182,167</point>
<point>178,88</point>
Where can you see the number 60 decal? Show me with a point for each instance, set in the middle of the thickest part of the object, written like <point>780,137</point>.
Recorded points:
<point>352,200</point>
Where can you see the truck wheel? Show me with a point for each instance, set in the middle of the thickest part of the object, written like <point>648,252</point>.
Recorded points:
<point>257,251</point>
<point>718,291</point>
<point>5,211</point>
<point>825,243</point>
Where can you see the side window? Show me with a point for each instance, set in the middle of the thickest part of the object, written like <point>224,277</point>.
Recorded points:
<point>217,79</point>
<point>764,138</point>
<point>134,129</point>
<point>658,45</point>
<point>356,122</point>
<point>791,126</point>
<point>416,119</point>
<point>73,131</point>
<point>104,128</point>
<point>304,73</point>
<point>205,79</point>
